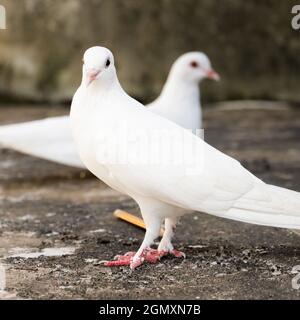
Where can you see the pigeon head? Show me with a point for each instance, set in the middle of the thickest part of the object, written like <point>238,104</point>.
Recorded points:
<point>98,64</point>
<point>194,66</point>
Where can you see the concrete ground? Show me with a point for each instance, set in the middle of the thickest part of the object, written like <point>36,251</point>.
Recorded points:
<point>56,223</point>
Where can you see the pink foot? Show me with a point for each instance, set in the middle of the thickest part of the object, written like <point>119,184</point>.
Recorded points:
<point>120,260</point>
<point>177,253</point>
<point>152,255</point>
<point>174,252</point>
<point>148,255</point>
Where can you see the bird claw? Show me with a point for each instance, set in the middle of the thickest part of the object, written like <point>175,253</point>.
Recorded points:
<point>125,256</point>
<point>177,253</point>
<point>149,255</point>
<point>117,263</point>
<point>136,262</point>
<point>120,260</point>
<point>173,252</point>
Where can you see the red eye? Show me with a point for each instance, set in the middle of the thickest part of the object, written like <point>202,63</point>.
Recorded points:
<point>194,64</point>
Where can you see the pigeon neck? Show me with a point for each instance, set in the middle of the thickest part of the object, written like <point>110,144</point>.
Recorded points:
<point>102,85</point>
<point>176,89</point>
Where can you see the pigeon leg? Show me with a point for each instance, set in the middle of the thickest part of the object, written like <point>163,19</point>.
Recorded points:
<point>145,253</point>
<point>165,246</point>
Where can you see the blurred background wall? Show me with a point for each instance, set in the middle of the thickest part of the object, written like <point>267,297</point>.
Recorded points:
<point>250,43</point>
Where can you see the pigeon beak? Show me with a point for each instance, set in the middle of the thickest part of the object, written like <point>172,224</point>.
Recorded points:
<point>212,74</point>
<point>91,76</point>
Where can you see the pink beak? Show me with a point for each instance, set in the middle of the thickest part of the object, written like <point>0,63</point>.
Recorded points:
<point>212,74</point>
<point>91,76</point>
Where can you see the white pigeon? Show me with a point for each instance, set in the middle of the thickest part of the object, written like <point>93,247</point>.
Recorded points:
<point>179,100</point>
<point>111,129</point>
<point>51,138</point>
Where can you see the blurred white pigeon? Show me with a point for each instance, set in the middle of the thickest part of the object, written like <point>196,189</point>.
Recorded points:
<point>179,100</point>
<point>107,122</point>
<point>51,138</point>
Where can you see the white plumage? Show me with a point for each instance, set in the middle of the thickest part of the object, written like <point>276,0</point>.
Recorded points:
<point>49,139</point>
<point>221,187</point>
<point>179,101</point>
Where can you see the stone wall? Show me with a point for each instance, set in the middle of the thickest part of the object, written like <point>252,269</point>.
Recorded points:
<point>251,44</point>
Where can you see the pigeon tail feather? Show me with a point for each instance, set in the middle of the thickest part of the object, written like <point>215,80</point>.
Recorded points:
<point>282,209</point>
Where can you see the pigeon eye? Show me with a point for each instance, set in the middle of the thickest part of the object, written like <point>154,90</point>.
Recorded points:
<point>107,63</point>
<point>194,64</point>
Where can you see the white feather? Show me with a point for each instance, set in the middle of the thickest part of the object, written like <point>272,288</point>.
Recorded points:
<point>49,139</point>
